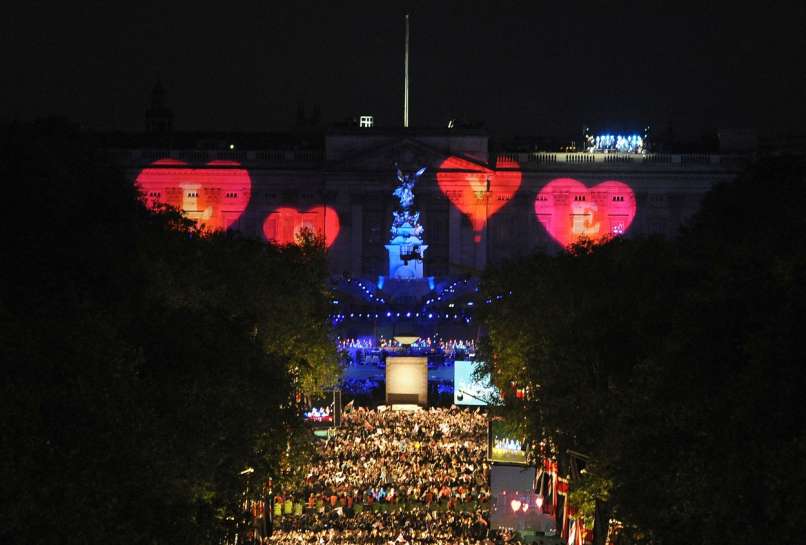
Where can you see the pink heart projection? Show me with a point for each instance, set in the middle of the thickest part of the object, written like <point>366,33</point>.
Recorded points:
<point>569,210</point>
<point>476,191</point>
<point>215,196</point>
<point>516,505</point>
<point>283,226</point>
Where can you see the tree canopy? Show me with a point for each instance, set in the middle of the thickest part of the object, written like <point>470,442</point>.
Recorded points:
<point>675,365</point>
<point>147,362</point>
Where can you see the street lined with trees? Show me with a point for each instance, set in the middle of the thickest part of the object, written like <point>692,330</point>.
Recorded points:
<point>674,366</point>
<point>147,362</point>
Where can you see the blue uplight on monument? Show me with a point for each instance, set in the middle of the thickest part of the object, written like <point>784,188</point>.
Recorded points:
<point>406,248</point>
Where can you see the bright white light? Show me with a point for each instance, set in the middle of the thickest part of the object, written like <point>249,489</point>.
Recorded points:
<point>629,143</point>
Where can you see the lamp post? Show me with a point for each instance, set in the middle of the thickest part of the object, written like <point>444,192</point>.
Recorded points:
<point>268,512</point>
<point>245,520</point>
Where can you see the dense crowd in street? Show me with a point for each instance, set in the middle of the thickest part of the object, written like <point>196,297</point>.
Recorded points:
<point>413,526</point>
<point>394,476</point>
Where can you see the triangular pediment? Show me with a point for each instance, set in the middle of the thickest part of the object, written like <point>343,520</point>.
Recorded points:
<point>406,153</point>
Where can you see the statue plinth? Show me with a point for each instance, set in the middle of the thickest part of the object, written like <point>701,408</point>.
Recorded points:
<point>402,263</point>
<point>406,248</point>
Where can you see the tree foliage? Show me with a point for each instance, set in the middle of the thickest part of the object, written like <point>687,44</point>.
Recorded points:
<point>147,363</point>
<point>675,365</point>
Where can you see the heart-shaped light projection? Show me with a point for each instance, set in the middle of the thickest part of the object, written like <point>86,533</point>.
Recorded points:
<point>284,225</point>
<point>215,196</point>
<point>476,191</point>
<point>569,210</point>
<point>516,505</point>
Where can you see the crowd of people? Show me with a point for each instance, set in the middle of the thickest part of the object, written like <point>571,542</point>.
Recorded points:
<point>354,342</point>
<point>347,343</point>
<point>444,345</point>
<point>394,477</point>
<point>365,350</point>
<point>415,526</point>
<point>458,345</point>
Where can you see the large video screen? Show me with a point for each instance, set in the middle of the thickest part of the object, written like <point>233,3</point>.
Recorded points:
<point>323,410</point>
<point>513,503</point>
<point>466,389</point>
<point>407,380</point>
<point>506,445</point>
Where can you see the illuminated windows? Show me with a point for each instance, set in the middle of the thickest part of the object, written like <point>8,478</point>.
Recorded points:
<point>366,121</point>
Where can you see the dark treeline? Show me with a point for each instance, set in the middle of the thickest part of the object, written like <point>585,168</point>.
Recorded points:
<point>676,367</point>
<point>145,363</point>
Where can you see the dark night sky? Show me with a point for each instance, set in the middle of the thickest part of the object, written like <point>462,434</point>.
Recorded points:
<point>522,67</point>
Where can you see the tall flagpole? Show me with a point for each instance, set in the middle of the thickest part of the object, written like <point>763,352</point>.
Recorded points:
<point>406,78</point>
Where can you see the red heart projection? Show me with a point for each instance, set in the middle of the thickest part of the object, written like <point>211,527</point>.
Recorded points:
<point>284,224</point>
<point>569,210</point>
<point>213,196</point>
<point>466,186</point>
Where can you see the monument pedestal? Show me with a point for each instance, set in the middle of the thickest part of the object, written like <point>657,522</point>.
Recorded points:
<point>406,249</point>
<point>402,264</point>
